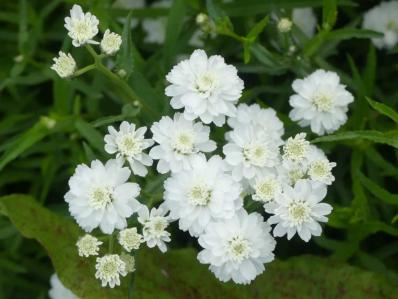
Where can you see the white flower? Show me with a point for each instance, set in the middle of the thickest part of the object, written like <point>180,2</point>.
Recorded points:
<point>155,29</point>
<point>129,5</point>
<point>305,19</point>
<point>100,196</point>
<point>237,248</point>
<point>129,262</point>
<point>254,115</point>
<point>206,87</point>
<point>88,245</point>
<point>111,42</point>
<point>58,290</point>
<point>296,149</point>
<point>179,142</point>
<point>64,65</point>
<point>154,226</point>
<point>201,195</point>
<point>266,185</point>
<point>284,25</point>
<point>290,172</point>
<point>249,151</point>
<point>129,143</point>
<point>82,27</point>
<point>299,209</point>
<point>319,167</point>
<point>383,18</point>
<point>130,239</point>
<point>320,101</point>
<point>109,268</point>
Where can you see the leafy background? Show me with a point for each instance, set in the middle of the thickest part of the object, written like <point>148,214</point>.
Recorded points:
<point>49,125</point>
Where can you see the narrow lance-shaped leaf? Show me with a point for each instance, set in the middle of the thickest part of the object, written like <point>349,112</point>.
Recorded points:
<point>384,109</point>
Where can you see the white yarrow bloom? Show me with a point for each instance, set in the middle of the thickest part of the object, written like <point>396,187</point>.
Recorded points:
<point>249,151</point>
<point>383,18</point>
<point>305,19</point>
<point>179,141</point>
<point>299,209</point>
<point>110,42</point>
<point>100,196</point>
<point>58,290</point>
<point>199,196</point>
<point>88,245</point>
<point>296,149</point>
<point>129,261</point>
<point>284,25</point>
<point>255,116</point>
<point>129,143</point>
<point>130,239</point>
<point>206,87</point>
<point>266,185</point>
<point>109,268</point>
<point>155,224</point>
<point>320,102</point>
<point>319,167</point>
<point>82,27</point>
<point>237,248</point>
<point>64,65</point>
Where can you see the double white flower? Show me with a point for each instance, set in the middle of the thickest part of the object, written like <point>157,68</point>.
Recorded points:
<point>100,196</point>
<point>206,87</point>
<point>201,195</point>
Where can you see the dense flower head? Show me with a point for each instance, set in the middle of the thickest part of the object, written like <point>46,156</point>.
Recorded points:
<point>284,25</point>
<point>64,65</point>
<point>298,210</point>
<point>129,144</point>
<point>320,102</point>
<point>58,290</point>
<point>249,151</point>
<point>179,141</point>
<point>110,42</point>
<point>237,248</point>
<point>109,268</point>
<point>296,148</point>
<point>100,196</point>
<point>383,18</point>
<point>305,19</point>
<point>129,262</point>
<point>206,87</point>
<point>201,195</point>
<point>130,239</point>
<point>82,27</point>
<point>88,245</point>
<point>155,223</point>
<point>266,186</point>
<point>255,116</point>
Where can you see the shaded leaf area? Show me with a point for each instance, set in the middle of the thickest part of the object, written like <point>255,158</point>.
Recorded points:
<point>177,274</point>
<point>58,236</point>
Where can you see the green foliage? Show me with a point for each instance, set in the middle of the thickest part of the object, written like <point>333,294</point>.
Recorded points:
<point>177,273</point>
<point>49,125</point>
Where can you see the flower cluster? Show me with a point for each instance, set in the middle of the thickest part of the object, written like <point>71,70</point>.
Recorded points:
<point>209,195</point>
<point>82,29</point>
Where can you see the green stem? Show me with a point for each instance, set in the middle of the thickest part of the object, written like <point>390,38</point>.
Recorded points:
<point>128,92</point>
<point>132,282</point>
<point>85,69</point>
<point>110,244</point>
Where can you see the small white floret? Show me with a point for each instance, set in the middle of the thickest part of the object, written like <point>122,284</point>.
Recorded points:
<point>64,65</point>
<point>110,43</point>
<point>109,268</point>
<point>88,245</point>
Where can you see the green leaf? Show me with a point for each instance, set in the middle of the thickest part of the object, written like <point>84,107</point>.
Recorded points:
<point>383,109</point>
<point>257,29</point>
<point>307,276</point>
<point>125,60</point>
<point>62,94</point>
<point>273,62</point>
<point>24,142</point>
<point>254,7</point>
<point>377,190</point>
<point>58,236</point>
<point>175,22</point>
<point>322,37</point>
<point>329,14</point>
<point>390,138</point>
<point>369,76</point>
<point>94,138</point>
